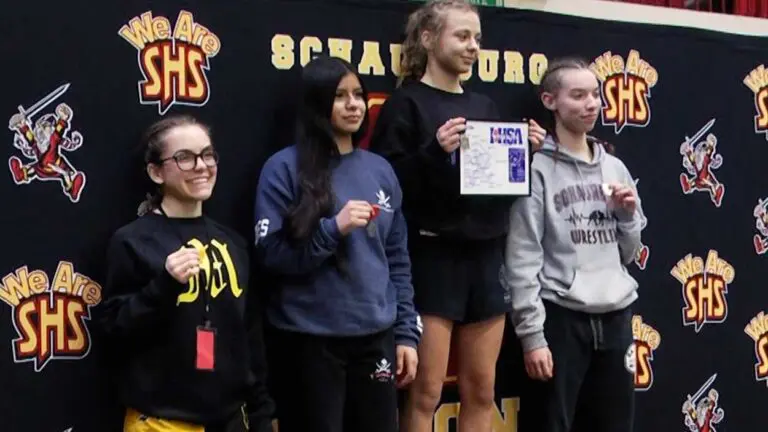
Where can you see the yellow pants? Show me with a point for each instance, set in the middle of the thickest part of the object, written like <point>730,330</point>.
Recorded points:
<point>136,422</point>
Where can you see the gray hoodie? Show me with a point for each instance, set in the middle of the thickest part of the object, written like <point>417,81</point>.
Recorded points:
<point>568,243</point>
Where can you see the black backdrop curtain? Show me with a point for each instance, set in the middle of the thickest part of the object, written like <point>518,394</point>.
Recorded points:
<point>699,322</point>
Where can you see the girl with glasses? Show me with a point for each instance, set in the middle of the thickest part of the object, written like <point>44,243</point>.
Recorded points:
<point>187,348</point>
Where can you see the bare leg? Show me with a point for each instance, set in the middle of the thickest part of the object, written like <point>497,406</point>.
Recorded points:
<point>427,388</point>
<point>478,350</point>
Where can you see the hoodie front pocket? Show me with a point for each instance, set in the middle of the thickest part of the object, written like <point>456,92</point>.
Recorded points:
<point>601,289</point>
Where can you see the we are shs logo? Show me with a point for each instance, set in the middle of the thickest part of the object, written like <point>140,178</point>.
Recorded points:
<point>625,89</point>
<point>174,60</point>
<point>757,81</point>
<point>639,356</point>
<point>50,314</point>
<point>704,288</point>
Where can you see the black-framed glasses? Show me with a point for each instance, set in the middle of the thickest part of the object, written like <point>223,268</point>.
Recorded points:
<point>186,160</point>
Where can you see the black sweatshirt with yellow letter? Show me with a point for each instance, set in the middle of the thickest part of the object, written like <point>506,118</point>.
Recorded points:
<point>151,322</point>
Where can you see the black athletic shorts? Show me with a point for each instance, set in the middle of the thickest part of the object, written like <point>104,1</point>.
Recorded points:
<point>458,281</point>
<point>334,384</point>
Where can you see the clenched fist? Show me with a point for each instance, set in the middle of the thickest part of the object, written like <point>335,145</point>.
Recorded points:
<point>355,214</point>
<point>183,264</point>
<point>624,197</point>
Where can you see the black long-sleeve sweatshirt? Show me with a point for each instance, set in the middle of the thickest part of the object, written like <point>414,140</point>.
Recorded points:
<point>405,134</point>
<point>151,322</point>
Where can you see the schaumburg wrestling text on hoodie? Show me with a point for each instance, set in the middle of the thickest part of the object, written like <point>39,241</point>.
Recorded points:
<point>568,242</point>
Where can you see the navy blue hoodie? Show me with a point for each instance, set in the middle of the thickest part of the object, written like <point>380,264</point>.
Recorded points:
<point>313,296</point>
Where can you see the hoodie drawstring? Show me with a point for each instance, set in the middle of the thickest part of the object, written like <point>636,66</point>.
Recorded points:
<point>598,336</point>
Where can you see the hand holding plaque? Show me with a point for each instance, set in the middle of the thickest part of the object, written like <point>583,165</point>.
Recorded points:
<point>450,133</point>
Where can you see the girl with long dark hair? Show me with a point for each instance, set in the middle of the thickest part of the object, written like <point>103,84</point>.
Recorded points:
<point>329,225</point>
<point>186,350</point>
<point>456,242</point>
<point>567,252</point>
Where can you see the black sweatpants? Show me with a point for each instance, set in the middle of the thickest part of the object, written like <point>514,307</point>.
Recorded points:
<point>592,389</point>
<point>334,384</point>
<point>236,423</point>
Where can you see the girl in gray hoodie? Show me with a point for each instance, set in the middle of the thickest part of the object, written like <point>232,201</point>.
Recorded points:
<point>565,264</point>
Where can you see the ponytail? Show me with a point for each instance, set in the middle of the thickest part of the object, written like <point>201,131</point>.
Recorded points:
<point>413,62</point>
<point>609,148</point>
<point>150,203</point>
